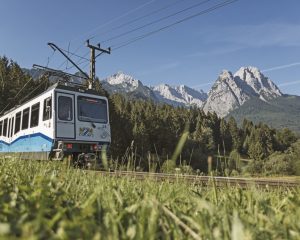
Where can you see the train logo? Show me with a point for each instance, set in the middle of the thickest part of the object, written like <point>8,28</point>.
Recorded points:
<point>86,132</point>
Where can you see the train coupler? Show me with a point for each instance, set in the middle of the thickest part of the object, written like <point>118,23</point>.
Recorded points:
<point>86,160</point>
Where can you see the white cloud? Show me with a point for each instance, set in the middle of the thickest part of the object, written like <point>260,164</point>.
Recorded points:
<point>281,67</point>
<point>202,85</point>
<point>288,83</point>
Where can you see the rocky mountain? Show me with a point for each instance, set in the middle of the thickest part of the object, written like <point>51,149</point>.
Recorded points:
<point>231,91</point>
<point>176,96</point>
<point>261,85</point>
<point>127,85</point>
<point>180,95</point>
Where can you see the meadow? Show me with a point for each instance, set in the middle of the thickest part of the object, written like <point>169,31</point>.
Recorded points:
<point>47,200</point>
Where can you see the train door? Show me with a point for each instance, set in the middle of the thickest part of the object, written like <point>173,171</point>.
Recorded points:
<point>65,120</point>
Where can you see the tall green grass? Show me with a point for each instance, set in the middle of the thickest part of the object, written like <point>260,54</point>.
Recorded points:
<point>46,200</point>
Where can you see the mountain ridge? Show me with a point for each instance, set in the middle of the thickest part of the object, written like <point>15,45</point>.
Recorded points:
<point>177,96</point>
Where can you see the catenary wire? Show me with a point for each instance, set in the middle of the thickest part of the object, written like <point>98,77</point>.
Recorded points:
<point>137,19</point>
<point>109,22</point>
<point>130,41</point>
<point>19,92</point>
<point>215,7</point>
<point>120,17</point>
<point>37,87</point>
<point>156,21</point>
<point>122,25</point>
<point>79,62</point>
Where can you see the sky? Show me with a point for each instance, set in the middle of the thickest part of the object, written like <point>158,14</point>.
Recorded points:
<point>260,33</point>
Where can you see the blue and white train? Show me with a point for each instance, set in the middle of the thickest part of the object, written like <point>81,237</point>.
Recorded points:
<point>62,121</point>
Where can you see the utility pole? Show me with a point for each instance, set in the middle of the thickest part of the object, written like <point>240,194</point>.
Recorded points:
<point>93,57</point>
<point>91,78</point>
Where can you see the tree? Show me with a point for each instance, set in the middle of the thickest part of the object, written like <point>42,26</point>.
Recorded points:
<point>235,134</point>
<point>294,154</point>
<point>285,138</point>
<point>12,80</point>
<point>226,137</point>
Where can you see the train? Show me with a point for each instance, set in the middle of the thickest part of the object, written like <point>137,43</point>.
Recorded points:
<point>64,121</point>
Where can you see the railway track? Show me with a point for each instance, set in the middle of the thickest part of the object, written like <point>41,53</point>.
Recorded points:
<point>204,180</point>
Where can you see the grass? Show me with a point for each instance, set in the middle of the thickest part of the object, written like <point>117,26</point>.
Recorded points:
<point>45,200</point>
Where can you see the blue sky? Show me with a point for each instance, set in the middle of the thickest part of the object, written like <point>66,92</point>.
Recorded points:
<point>261,33</point>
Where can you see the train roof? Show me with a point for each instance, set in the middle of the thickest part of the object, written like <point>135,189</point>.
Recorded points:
<point>74,88</point>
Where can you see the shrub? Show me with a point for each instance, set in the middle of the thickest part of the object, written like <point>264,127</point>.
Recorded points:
<point>279,163</point>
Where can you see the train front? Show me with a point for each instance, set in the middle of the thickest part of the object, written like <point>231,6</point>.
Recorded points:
<point>82,126</point>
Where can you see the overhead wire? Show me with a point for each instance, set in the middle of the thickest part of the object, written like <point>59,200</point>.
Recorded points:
<point>132,21</point>
<point>137,19</point>
<point>121,16</point>
<point>109,22</point>
<point>156,21</point>
<point>37,87</point>
<point>140,37</point>
<point>208,10</point>
<point>122,25</point>
<point>18,93</point>
<point>74,54</point>
<point>148,24</point>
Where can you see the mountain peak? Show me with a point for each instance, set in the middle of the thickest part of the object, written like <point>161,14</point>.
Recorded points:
<point>250,69</point>
<point>232,91</point>
<point>263,86</point>
<point>225,74</point>
<point>124,79</point>
<point>254,72</point>
<point>225,95</point>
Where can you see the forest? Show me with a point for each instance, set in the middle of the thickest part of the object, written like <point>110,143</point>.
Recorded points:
<point>148,134</point>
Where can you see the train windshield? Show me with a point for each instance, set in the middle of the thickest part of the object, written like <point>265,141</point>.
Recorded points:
<point>92,109</point>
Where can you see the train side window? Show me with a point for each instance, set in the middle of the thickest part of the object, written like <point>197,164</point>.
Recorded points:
<point>25,119</point>
<point>18,122</point>
<point>35,113</point>
<point>8,132</point>
<point>47,111</point>
<point>65,108</point>
<point>5,128</point>
<point>1,127</point>
<point>12,127</point>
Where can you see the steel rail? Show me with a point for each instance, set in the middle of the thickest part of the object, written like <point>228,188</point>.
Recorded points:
<point>203,180</point>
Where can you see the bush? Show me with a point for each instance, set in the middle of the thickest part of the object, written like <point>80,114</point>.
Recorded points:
<point>294,152</point>
<point>255,167</point>
<point>279,163</point>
